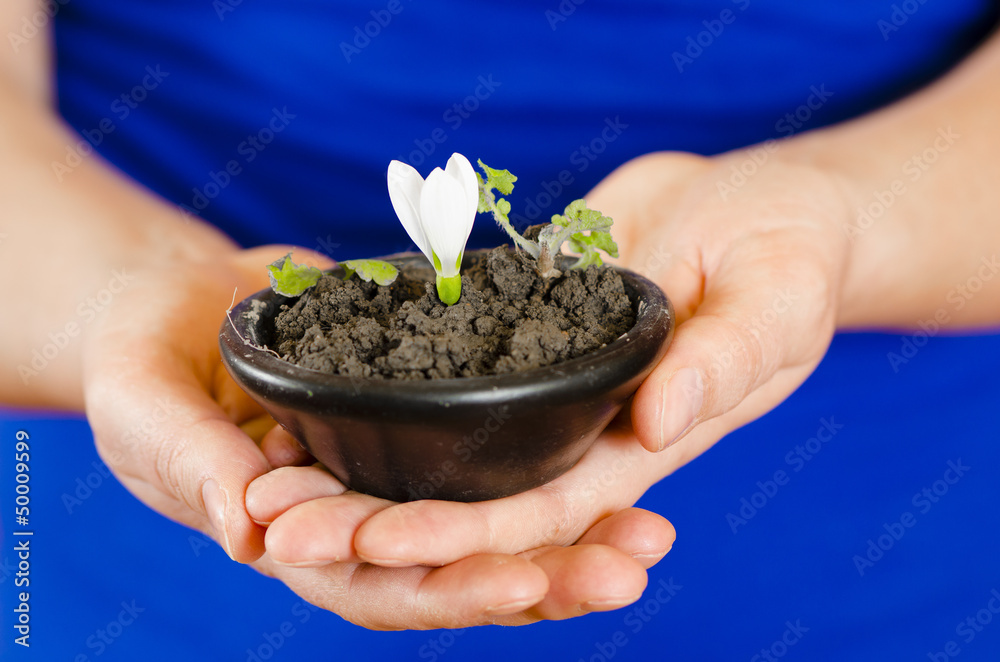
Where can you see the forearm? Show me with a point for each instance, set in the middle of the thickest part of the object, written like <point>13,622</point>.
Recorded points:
<point>68,242</point>
<point>922,182</point>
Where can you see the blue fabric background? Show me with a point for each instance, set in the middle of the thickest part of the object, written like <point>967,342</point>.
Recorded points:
<point>320,183</point>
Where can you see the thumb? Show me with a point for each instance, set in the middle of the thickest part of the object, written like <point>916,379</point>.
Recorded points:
<point>164,414</point>
<point>754,333</point>
<point>176,449</point>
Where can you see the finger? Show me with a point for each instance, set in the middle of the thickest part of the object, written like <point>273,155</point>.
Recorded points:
<point>164,413</point>
<point>179,442</point>
<point>609,477</point>
<point>150,376</point>
<point>473,591</point>
<point>238,406</point>
<point>321,531</point>
<point>586,578</point>
<point>764,307</point>
<point>257,428</point>
<point>284,488</point>
<point>642,535</point>
<point>479,588</point>
<point>282,450</point>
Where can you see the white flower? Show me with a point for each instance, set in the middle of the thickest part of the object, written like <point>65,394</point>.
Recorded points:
<point>438,213</point>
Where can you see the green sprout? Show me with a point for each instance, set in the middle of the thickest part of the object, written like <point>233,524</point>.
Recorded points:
<point>291,280</point>
<point>587,230</point>
<point>381,272</point>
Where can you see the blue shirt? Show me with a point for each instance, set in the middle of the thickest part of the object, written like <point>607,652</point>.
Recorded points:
<point>855,522</point>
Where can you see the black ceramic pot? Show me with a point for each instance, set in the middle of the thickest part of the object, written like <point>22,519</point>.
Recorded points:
<point>463,439</point>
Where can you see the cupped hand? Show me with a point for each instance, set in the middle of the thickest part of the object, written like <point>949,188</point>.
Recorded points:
<point>182,437</point>
<point>754,273</point>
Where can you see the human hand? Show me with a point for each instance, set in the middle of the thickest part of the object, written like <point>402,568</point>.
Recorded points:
<point>182,437</point>
<point>755,283</point>
<point>755,277</point>
<point>166,418</point>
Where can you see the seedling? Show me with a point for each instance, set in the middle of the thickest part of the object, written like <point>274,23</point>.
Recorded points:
<point>586,230</point>
<point>291,280</point>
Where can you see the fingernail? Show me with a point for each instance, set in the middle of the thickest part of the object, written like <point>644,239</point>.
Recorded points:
<point>681,397</point>
<point>512,607</point>
<point>313,563</point>
<point>215,507</point>
<point>388,563</point>
<point>647,557</point>
<point>608,604</point>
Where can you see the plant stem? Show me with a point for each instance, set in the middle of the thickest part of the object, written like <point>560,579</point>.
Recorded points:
<point>530,247</point>
<point>547,263</point>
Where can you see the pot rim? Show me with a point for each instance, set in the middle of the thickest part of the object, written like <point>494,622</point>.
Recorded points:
<point>599,371</point>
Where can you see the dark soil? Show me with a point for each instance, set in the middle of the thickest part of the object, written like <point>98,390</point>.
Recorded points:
<point>509,319</point>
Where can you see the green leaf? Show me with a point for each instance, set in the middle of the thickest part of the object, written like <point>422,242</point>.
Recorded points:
<point>579,217</point>
<point>382,273</point>
<point>290,279</point>
<point>501,180</point>
<point>587,231</point>
<point>503,208</point>
<point>579,242</point>
<point>588,245</point>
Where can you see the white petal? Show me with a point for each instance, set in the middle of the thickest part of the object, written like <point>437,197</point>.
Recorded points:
<point>459,168</point>
<point>446,218</point>
<point>405,185</point>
